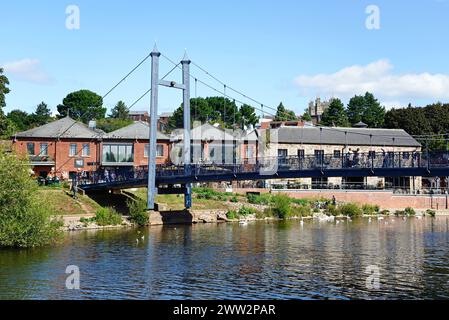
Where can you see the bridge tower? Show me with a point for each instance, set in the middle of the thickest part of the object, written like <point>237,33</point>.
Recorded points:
<point>185,87</point>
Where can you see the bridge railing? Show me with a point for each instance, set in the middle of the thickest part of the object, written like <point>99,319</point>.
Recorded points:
<point>272,165</point>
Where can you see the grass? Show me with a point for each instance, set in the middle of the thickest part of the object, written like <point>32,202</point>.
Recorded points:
<point>62,204</point>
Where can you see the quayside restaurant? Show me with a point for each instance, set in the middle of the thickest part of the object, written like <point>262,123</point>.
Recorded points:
<point>64,147</point>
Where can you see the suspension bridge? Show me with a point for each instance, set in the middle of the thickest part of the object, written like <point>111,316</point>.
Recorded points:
<point>169,179</point>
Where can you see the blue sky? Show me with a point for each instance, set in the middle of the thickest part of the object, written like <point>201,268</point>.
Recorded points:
<point>274,51</point>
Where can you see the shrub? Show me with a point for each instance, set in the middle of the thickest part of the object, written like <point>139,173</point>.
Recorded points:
<point>385,212</point>
<point>264,199</point>
<point>431,213</point>
<point>316,210</point>
<point>399,213</point>
<point>300,211</point>
<point>410,212</point>
<point>370,210</point>
<point>351,210</point>
<point>281,206</point>
<point>107,217</point>
<point>25,220</point>
<point>138,213</point>
<point>245,211</point>
<point>301,202</point>
<point>234,199</point>
<point>232,215</point>
<point>332,210</point>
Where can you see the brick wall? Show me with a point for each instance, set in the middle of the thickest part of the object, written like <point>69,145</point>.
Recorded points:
<point>385,199</point>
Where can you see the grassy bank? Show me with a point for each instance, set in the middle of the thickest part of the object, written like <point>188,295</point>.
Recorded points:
<point>61,203</point>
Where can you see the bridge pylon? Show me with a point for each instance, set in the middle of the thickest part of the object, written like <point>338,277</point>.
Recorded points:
<point>185,87</point>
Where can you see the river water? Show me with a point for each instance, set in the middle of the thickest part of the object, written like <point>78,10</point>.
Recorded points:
<point>229,261</point>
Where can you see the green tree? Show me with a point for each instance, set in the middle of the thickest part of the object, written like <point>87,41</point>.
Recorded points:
<point>247,116</point>
<point>82,105</point>
<point>356,109</point>
<point>210,110</point>
<point>374,113</point>
<point>42,115</point>
<point>24,218</point>
<point>4,90</point>
<point>335,115</point>
<point>21,120</point>
<point>307,116</point>
<point>111,124</point>
<point>120,111</point>
<point>284,114</point>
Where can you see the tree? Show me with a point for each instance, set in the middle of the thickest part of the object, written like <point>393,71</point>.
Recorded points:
<point>247,116</point>
<point>209,110</point>
<point>374,113</point>
<point>112,124</point>
<point>4,90</point>
<point>355,110</point>
<point>335,115</point>
<point>42,115</point>
<point>306,116</point>
<point>25,220</point>
<point>82,105</point>
<point>283,114</point>
<point>21,120</point>
<point>120,111</point>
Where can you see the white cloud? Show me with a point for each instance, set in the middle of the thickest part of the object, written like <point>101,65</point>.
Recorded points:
<point>28,70</point>
<point>377,77</point>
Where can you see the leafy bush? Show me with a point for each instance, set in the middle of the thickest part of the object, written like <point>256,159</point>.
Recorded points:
<point>399,213</point>
<point>431,213</point>
<point>263,199</point>
<point>410,212</point>
<point>300,211</point>
<point>316,210</point>
<point>281,206</point>
<point>301,202</point>
<point>108,217</point>
<point>25,220</point>
<point>138,212</point>
<point>332,210</point>
<point>385,212</point>
<point>370,210</point>
<point>245,211</point>
<point>351,210</point>
<point>232,215</point>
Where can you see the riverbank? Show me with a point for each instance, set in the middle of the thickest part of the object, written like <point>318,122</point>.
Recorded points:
<point>211,206</point>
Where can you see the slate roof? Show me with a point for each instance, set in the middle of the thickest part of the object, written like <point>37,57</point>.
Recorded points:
<point>64,128</point>
<point>139,130</point>
<point>354,136</point>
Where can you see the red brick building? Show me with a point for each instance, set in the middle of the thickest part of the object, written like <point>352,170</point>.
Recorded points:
<point>65,147</point>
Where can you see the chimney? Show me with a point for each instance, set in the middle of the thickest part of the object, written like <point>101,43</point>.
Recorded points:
<point>92,124</point>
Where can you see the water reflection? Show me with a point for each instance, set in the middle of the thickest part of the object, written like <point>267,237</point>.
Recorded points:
<point>228,261</point>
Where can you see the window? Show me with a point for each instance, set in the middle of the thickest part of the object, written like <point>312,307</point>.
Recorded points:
<point>86,150</point>
<point>73,150</point>
<point>159,150</point>
<point>30,149</point>
<point>337,154</point>
<point>118,153</point>
<point>249,152</point>
<point>146,151</point>
<point>43,149</point>
<point>319,157</point>
<point>282,155</point>
<point>79,163</point>
<point>301,154</point>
